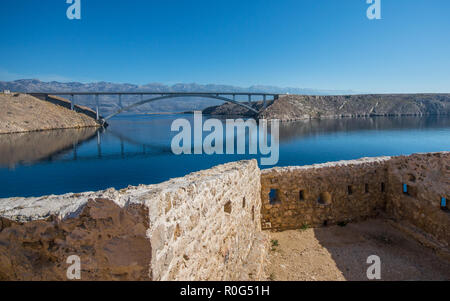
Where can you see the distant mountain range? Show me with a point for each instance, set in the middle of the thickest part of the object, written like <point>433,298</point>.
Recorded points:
<point>109,103</point>
<point>35,85</point>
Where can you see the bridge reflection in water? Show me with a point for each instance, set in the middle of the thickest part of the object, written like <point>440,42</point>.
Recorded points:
<point>63,145</point>
<point>28,148</point>
<point>135,150</point>
<point>146,149</point>
<point>150,136</point>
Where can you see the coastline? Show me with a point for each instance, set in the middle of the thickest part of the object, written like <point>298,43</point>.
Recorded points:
<point>20,113</point>
<point>23,113</point>
<point>309,107</point>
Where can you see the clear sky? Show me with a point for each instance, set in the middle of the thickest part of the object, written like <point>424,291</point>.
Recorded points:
<point>321,44</point>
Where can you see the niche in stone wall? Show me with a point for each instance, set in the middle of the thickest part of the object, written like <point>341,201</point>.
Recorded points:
<point>409,190</point>
<point>405,189</point>
<point>350,189</point>
<point>444,204</point>
<point>302,195</point>
<point>274,196</point>
<point>324,198</point>
<point>227,207</point>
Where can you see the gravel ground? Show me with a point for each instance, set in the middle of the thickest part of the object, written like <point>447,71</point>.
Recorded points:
<point>340,253</point>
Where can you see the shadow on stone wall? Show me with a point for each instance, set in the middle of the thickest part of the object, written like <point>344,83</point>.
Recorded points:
<point>406,192</point>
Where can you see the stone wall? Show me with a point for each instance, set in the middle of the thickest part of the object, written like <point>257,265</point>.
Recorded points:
<point>427,180</point>
<point>330,193</point>
<point>208,225</point>
<point>205,226</point>
<point>340,192</point>
<point>110,241</point>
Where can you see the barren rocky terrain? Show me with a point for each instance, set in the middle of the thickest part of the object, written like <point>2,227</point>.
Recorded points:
<point>301,107</point>
<point>230,109</point>
<point>25,113</point>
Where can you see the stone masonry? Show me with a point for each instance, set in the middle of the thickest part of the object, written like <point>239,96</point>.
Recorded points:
<point>205,226</point>
<point>208,225</point>
<point>409,190</point>
<point>323,194</point>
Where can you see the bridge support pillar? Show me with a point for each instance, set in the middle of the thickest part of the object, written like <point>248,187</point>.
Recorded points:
<point>99,145</point>
<point>72,100</point>
<point>96,107</point>
<point>75,155</point>
<point>264,101</point>
<point>250,99</point>
<point>120,101</point>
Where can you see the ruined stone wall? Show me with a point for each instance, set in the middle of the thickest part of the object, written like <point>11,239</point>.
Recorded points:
<point>427,180</point>
<point>330,193</point>
<point>205,226</point>
<point>340,192</point>
<point>110,241</point>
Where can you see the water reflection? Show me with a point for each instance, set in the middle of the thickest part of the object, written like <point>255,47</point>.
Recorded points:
<point>136,150</point>
<point>130,137</point>
<point>28,148</point>
<point>295,130</point>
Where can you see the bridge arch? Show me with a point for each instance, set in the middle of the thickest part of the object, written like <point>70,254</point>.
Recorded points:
<point>142,102</point>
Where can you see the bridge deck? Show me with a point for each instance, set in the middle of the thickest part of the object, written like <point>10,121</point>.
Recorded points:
<point>154,93</point>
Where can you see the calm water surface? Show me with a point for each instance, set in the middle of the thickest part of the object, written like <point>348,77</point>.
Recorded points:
<point>136,150</point>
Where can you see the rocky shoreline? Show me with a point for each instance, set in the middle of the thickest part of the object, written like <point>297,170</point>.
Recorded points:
<point>303,107</point>
<point>21,113</point>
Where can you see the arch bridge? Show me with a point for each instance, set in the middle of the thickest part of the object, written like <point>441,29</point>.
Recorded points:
<point>147,97</point>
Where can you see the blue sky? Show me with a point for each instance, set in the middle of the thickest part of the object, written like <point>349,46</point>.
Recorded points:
<point>321,44</point>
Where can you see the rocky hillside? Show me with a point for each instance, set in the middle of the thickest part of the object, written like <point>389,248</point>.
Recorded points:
<point>230,109</point>
<point>299,107</point>
<point>25,113</point>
